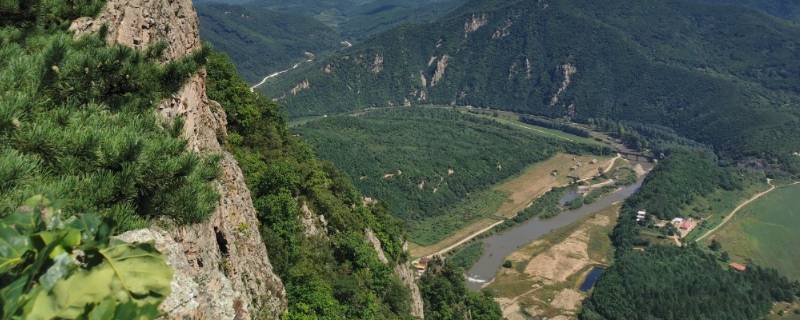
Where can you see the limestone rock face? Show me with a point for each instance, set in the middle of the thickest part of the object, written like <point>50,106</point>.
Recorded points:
<point>222,270</point>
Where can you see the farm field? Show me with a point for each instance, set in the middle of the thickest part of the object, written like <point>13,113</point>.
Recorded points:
<point>545,275</point>
<point>763,230</point>
<point>436,168</point>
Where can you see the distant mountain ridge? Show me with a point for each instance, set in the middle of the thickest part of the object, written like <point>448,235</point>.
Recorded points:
<point>260,40</point>
<point>721,75</point>
<point>266,36</point>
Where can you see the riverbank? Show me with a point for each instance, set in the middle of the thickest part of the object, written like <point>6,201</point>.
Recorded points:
<point>545,276</point>
<point>521,190</point>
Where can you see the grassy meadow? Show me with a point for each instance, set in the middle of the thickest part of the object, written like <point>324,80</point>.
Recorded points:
<point>764,230</point>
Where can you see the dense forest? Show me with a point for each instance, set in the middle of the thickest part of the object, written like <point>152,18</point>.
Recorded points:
<point>720,75</point>
<point>83,157</point>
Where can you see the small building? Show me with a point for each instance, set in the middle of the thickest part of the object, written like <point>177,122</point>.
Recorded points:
<point>641,215</point>
<point>687,225</point>
<point>738,267</point>
<point>677,221</point>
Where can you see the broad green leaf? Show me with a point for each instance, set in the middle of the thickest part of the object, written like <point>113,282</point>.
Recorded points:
<point>13,246</point>
<point>104,310</point>
<point>22,221</point>
<point>130,273</point>
<point>61,268</point>
<point>140,268</point>
<point>12,296</point>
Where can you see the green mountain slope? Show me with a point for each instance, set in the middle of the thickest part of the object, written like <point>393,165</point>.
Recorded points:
<point>358,19</point>
<point>262,41</point>
<point>721,75</point>
<point>787,9</point>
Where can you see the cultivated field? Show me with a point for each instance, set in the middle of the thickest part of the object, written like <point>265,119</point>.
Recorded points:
<point>766,232</point>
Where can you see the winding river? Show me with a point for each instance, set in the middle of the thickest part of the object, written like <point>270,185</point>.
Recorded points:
<point>498,246</point>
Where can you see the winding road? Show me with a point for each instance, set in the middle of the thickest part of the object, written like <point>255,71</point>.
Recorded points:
<point>740,207</point>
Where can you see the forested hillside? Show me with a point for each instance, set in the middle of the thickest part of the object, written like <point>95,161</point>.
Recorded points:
<point>425,162</point>
<point>262,41</point>
<point>720,75</point>
<point>264,36</point>
<point>787,9</point>
<point>330,269</point>
<point>359,19</point>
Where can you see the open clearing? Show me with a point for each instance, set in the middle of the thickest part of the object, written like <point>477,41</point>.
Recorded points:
<point>521,190</point>
<point>546,273</point>
<point>766,232</point>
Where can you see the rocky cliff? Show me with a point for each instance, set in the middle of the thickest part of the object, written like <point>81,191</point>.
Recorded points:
<point>222,270</point>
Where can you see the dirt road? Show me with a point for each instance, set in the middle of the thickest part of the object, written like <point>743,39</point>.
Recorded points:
<point>740,207</point>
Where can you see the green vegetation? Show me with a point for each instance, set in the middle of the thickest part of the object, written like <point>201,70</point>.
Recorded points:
<point>763,231</point>
<point>431,166</point>
<point>668,282</point>
<point>546,206</point>
<point>332,276</point>
<point>467,256</point>
<point>261,41</point>
<point>430,230</point>
<point>78,124</point>
<point>655,281</point>
<point>360,19</point>
<point>266,36</point>
<point>446,297</point>
<point>676,181</point>
<point>55,266</point>
<point>699,69</point>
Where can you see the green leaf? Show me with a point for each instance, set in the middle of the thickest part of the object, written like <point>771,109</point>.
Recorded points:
<point>104,310</point>
<point>13,246</point>
<point>61,268</point>
<point>140,268</point>
<point>12,296</point>
<point>134,273</point>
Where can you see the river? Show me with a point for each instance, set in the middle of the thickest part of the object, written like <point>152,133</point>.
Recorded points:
<point>498,246</point>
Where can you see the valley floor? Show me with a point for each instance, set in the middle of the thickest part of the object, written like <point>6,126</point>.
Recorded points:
<point>520,191</point>
<point>545,276</point>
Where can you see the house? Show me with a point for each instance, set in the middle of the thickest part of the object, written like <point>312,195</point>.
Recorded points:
<point>687,225</point>
<point>738,267</point>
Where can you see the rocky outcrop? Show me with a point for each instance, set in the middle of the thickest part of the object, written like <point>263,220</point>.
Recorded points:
<point>376,244</point>
<point>377,64</point>
<point>567,70</point>
<point>441,67</point>
<point>404,272</point>
<point>303,85</point>
<point>409,279</point>
<point>221,266</point>
<point>474,23</point>
<point>313,225</point>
